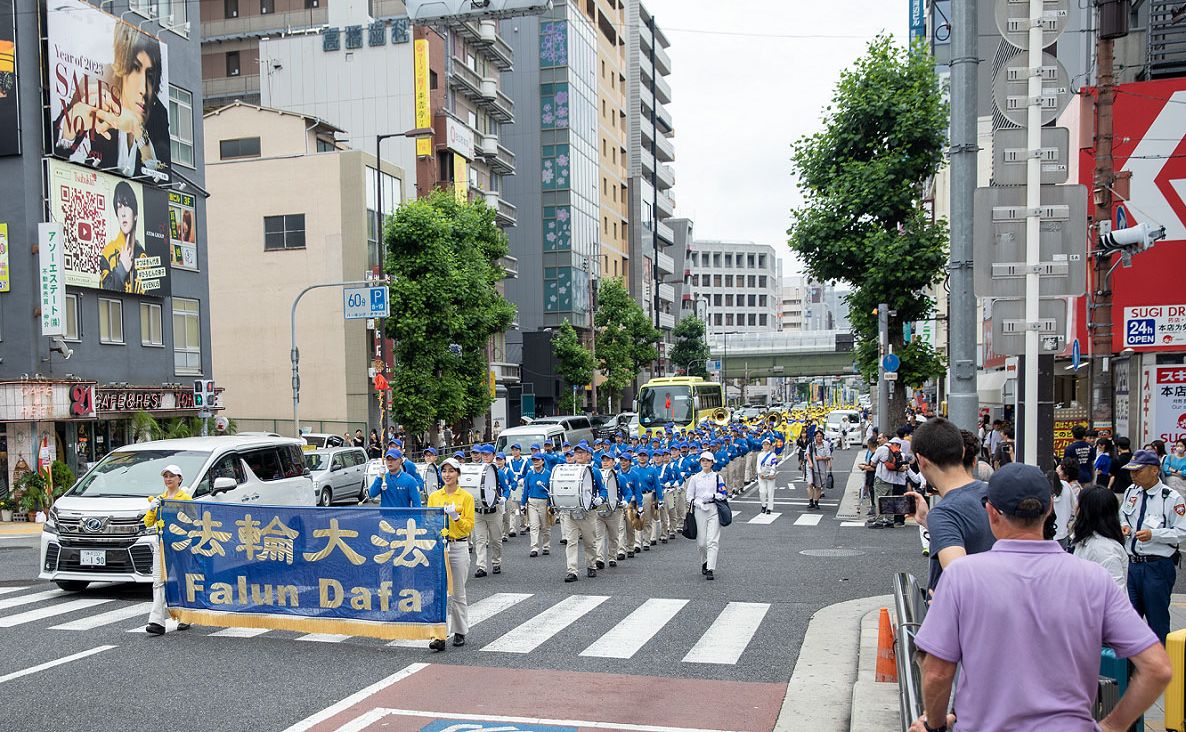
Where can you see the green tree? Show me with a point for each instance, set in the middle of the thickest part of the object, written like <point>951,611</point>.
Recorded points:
<point>863,220</point>
<point>690,350</point>
<point>625,337</point>
<point>574,364</point>
<point>443,257</point>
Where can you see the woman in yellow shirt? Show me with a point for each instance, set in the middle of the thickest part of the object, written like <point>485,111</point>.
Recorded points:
<point>459,508</point>
<point>156,617</point>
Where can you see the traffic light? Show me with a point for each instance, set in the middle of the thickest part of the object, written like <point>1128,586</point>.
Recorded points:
<point>1130,241</point>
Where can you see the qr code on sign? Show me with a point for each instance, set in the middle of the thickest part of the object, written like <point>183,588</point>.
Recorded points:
<point>84,226</point>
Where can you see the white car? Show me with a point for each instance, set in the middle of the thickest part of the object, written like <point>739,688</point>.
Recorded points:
<point>96,533</point>
<point>339,474</point>
<point>322,440</point>
<point>843,428</point>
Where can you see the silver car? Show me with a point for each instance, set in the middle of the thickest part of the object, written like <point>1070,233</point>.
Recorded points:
<point>339,474</point>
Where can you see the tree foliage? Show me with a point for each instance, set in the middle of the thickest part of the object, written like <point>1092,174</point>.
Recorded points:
<point>443,257</point>
<point>863,222</point>
<point>574,363</point>
<point>690,350</point>
<point>625,337</point>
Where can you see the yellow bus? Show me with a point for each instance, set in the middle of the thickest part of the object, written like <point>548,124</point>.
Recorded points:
<point>679,400</point>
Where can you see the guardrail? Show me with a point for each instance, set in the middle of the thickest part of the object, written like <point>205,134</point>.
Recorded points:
<point>910,607</point>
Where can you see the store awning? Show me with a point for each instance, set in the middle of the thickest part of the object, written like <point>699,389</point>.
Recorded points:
<point>990,387</point>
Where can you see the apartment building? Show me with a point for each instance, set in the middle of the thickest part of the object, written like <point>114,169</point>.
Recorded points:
<point>735,285</point>
<point>811,305</point>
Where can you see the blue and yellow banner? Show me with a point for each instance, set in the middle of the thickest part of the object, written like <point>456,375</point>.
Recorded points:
<point>373,572</point>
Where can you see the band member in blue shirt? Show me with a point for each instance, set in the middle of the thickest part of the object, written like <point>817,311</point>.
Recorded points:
<point>396,488</point>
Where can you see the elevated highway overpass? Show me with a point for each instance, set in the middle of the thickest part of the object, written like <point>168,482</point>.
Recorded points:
<point>789,354</point>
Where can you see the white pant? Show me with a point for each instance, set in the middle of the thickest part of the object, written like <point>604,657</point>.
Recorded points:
<point>576,532</point>
<point>541,528</point>
<point>766,492</point>
<point>488,534</point>
<point>609,536</point>
<point>157,614</point>
<point>458,556</point>
<point>708,534</point>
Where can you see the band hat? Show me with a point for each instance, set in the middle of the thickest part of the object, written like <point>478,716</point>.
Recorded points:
<point>452,463</point>
<point>1017,482</point>
<point>486,449</point>
<point>625,455</point>
<point>767,441</point>
<point>536,456</point>
<point>1141,459</point>
<point>430,451</point>
<point>535,446</point>
<point>500,456</point>
<point>516,446</point>
<point>172,469</point>
<point>476,449</point>
<point>643,451</point>
<point>583,446</point>
<point>460,454</point>
<point>607,456</point>
<point>706,455</point>
<point>394,454</point>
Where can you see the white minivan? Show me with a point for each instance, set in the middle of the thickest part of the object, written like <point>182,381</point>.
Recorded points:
<point>843,428</point>
<point>95,532</point>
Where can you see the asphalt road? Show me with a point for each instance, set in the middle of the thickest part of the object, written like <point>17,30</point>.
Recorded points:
<point>746,626</point>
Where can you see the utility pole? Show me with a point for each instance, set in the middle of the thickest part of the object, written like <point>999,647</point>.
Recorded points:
<point>883,399</point>
<point>1033,230</point>
<point>963,401</point>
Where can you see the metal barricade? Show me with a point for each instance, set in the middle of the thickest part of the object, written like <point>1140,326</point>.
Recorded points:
<point>910,607</point>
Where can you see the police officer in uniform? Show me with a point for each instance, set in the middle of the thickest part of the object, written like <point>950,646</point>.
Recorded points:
<point>1151,518</point>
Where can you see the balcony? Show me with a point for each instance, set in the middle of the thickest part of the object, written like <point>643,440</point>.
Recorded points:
<point>648,129</point>
<point>497,105</point>
<point>465,80</point>
<point>647,160</point>
<point>663,90</point>
<point>666,321</point>
<point>666,235</point>
<point>496,48</point>
<point>662,60</point>
<point>663,120</point>
<point>666,177</point>
<point>503,163</point>
<point>647,99</point>
<point>487,146</point>
<point>229,87</point>
<point>510,265</point>
<point>505,373</point>
<point>258,26</point>
<point>666,207</point>
<point>664,150</point>
<point>504,211</point>
<point>666,266</point>
<point>666,292</point>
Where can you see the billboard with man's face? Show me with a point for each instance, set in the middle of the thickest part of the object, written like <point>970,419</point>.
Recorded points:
<point>108,93</point>
<point>10,129</point>
<point>115,231</point>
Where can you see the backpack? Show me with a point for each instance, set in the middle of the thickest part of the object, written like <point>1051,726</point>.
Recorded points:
<point>896,460</point>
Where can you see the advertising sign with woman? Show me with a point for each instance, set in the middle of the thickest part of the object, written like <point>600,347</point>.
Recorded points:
<point>10,129</point>
<point>108,87</point>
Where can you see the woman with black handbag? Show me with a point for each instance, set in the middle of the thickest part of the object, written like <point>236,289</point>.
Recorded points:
<point>819,462</point>
<point>704,490</point>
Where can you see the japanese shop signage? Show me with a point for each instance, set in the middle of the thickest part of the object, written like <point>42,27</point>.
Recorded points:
<point>51,259</point>
<point>1168,395</point>
<point>379,573</point>
<point>1155,326</point>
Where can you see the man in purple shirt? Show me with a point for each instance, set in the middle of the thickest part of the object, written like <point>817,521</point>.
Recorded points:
<point>1027,599</point>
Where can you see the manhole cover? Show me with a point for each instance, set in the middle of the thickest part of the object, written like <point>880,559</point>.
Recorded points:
<point>832,552</point>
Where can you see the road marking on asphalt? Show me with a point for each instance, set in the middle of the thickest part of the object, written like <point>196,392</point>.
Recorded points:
<point>367,719</point>
<point>239,632</point>
<point>51,664</point>
<point>6,590</point>
<point>727,637</point>
<point>335,709</point>
<point>170,626</point>
<point>29,599</point>
<point>764,518</point>
<point>48,612</point>
<point>323,637</point>
<point>784,502</point>
<point>852,523</point>
<point>635,630</point>
<point>107,618</point>
<point>808,519</point>
<point>531,634</point>
<point>483,609</point>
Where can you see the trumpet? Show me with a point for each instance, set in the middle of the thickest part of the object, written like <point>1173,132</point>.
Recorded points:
<point>720,416</point>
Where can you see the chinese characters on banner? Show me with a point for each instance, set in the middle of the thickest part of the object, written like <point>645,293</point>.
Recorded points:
<point>1167,394</point>
<point>51,261</point>
<point>378,573</point>
<point>423,108</point>
<point>5,277</point>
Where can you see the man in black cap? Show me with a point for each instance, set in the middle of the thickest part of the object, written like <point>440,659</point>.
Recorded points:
<point>987,616</point>
<point>1151,517</point>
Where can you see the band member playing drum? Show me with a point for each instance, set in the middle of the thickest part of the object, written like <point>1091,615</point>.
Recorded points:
<point>488,521</point>
<point>459,512</point>
<point>609,516</point>
<point>536,500</point>
<point>703,490</point>
<point>577,520</point>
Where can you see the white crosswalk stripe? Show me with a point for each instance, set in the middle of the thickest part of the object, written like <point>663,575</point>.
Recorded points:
<point>635,630</point>
<point>728,636</point>
<point>764,518</point>
<point>323,637</point>
<point>239,632</point>
<point>6,590</point>
<point>139,609</point>
<point>808,519</point>
<point>481,610</point>
<point>852,523</point>
<point>30,599</point>
<point>530,635</point>
<point>41,613</point>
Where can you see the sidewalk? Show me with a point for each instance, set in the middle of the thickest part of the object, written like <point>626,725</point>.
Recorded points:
<point>1155,717</point>
<point>19,528</point>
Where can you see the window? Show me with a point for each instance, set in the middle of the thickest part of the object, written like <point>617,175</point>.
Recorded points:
<point>432,79</point>
<point>728,260</point>
<point>716,300</point>
<point>228,466</point>
<point>716,280</point>
<point>284,232</point>
<point>728,280</point>
<point>72,320</point>
<point>230,8</point>
<point>187,336</point>
<point>239,147</point>
<point>265,463</point>
<point>181,126</point>
<point>471,117</point>
<point>728,300</point>
<point>471,61</point>
<point>324,145</point>
<point>752,283</point>
<point>232,63</point>
<point>310,4</point>
<point>762,320</point>
<point>729,319</point>
<point>753,319</point>
<point>749,261</point>
<point>762,300</point>
<point>717,318</point>
<point>762,281</point>
<point>753,300</point>
<point>111,321</point>
<point>761,261</point>
<point>716,260</point>
<point>267,6</point>
<point>150,324</point>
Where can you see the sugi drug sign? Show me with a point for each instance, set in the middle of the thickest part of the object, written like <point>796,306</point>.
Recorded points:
<point>1153,326</point>
<point>1167,393</point>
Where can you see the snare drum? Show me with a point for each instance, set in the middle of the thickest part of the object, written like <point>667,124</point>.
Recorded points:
<point>571,487</point>
<point>431,475</point>
<point>610,478</point>
<point>480,480</point>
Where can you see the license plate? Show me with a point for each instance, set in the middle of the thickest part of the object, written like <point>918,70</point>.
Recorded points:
<point>92,558</point>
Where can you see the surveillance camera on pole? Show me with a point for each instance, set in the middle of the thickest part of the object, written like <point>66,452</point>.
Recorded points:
<point>58,345</point>
<point>1130,241</point>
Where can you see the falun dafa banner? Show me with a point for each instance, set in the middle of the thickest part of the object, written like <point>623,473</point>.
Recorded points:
<point>371,572</point>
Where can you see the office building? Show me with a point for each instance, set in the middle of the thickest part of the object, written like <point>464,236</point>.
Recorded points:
<point>119,279</point>
<point>262,163</point>
<point>811,305</point>
<point>735,285</point>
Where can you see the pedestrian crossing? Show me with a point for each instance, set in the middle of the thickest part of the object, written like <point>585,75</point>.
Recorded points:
<point>523,623</point>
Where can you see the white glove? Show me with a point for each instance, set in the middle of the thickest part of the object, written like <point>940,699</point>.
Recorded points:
<point>156,503</point>
<point>598,501</point>
<point>502,500</point>
<point>451,510</point>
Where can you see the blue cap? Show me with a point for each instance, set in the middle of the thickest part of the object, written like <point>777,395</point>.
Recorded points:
<point>567,444</point>
<point>535,446</point>
<point>516,446</point>
<point>568,454</point>
<point>643,451</point>
<point>583,445</point>
<point>537,456</point>
<point>394,454</point>
<point>1016,482</point>
<point>430,451</point>
<point>460,454</point>
<point>398,442</point>
<point>1140,459</point>
<point>625,455</point>
<point>476,447</point>
<point>500,456</point>
<point>486,449</point>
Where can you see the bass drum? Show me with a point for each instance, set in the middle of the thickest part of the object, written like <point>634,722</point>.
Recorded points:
<point>610,478</point>
<point>480,480</point>
<point>431,475</point>
<point>571,487</point>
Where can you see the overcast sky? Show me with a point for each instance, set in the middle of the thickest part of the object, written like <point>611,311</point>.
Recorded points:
<point>740,96</point>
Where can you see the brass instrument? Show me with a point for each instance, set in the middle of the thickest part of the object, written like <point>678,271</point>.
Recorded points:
<point>775,420</point>
<point>634,517</point>
<point>720,416</point>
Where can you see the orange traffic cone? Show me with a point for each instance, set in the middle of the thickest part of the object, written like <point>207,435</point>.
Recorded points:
<point>887,667</point>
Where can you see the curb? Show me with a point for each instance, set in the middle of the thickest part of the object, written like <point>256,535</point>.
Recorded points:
<point>875,705</point>
<point>20,529</point>
<point>850,503</point>
<point>821,693</point>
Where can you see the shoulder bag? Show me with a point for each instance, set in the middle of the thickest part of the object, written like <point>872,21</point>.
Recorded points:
<point>689,530</point>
